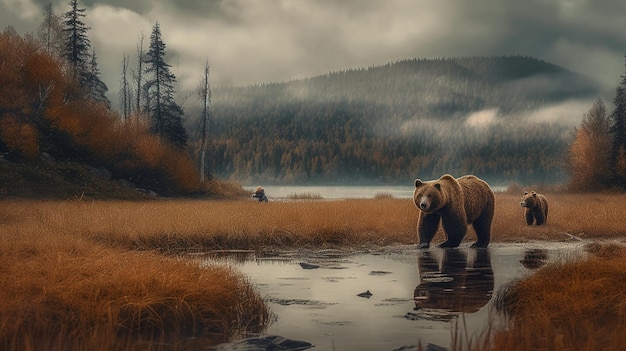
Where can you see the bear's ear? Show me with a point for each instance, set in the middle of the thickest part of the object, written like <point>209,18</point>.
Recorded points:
<point>438,186</point>
<point>525,192</point>
<point>418,182</point>
<point>446,177</point>
<point>534,194</point>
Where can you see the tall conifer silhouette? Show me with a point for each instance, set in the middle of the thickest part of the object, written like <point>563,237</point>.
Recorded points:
<point>166,116</point>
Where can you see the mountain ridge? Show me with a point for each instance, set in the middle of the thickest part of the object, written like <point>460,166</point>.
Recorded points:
<point>416,117</point>
<point>477,82</point>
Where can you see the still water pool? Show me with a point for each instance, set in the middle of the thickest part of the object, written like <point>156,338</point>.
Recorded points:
<point>417,296</point>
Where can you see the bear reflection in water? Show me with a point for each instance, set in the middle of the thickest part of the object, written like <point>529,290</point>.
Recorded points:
<point>453,281</point>
<point>534,258</point>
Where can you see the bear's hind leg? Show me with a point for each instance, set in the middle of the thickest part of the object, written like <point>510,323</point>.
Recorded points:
<point>482,227</point>
<point>455,230</point>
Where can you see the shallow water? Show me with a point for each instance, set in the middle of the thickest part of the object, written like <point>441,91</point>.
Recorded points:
<point>275,192</point>
<point>416,295</point>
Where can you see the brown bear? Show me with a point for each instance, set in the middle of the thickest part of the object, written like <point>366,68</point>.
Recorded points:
<point>536,206</point>
<point>455,203</point>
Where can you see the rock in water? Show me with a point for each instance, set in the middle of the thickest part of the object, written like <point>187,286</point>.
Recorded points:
<point>264,343</point>
<point>305,265</point>
<point>366,294</point>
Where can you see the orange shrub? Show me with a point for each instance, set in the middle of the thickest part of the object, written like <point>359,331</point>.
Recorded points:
<point>42,108</point>
<point>19,137</point>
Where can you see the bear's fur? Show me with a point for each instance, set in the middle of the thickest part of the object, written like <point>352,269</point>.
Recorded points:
<point>536,206</point>
<point>455,203</point>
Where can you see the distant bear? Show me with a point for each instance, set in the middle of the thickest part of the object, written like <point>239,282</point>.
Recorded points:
<point>455,203</point>
<point>536,206</point>
<point>259,193</point>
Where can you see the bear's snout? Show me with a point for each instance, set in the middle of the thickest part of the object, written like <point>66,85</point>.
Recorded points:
<point>424,203</point>
<point>523,204</point>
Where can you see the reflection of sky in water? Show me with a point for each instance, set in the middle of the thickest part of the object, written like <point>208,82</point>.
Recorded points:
<point>321,305</point>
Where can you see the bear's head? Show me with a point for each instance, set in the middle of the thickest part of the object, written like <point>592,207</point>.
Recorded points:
<point>429,196</point>
<point>529,200</point>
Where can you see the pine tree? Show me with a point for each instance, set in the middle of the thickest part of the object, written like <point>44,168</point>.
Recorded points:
<point>166,116</point>
<point>95,86</point>
<point>618,132</point>
<point>81,57</point>
<point>77,44</point>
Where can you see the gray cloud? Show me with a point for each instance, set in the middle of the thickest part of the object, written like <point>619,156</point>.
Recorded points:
<point>249,41</point>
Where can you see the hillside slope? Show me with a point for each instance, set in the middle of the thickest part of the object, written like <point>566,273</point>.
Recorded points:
<point>394,122</point>
<point>440,88</point>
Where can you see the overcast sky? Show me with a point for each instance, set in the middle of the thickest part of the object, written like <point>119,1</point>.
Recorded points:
<point>256,41</point>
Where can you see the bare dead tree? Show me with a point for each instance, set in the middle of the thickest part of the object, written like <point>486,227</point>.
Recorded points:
<point>125,93</point>
<point>138,74</point>
<point>207,124</point>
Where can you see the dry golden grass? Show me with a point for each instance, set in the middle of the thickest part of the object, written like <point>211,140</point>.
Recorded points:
<point>571,305</point>
<point>88,275</point>
<point>587,216</point>
<point>171,226</point>
<point>60,291</point>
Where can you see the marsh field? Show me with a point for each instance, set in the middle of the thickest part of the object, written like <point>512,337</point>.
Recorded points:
<point>102,275</point>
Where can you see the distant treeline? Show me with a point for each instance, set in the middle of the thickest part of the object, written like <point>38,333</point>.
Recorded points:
<point>399,121</point>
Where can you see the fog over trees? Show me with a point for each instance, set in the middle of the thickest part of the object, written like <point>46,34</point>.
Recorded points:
<point>507,119</point>
<point>504,118</point>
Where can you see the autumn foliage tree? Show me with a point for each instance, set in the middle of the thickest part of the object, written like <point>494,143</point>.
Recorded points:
<point>590,152</point>
<point>598,153</point>
<point>41,110</point>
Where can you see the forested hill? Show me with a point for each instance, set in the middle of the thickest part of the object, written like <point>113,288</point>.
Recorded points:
<point>394,122</point>
<point>427,88</point>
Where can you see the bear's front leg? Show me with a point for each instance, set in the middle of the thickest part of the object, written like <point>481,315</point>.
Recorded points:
<point>427,226</point>
<point>530,218</point>
<point>540,219</point>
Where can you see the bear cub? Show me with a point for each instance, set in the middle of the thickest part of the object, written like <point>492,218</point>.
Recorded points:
<point>455,203</point>
<point>536,206</point>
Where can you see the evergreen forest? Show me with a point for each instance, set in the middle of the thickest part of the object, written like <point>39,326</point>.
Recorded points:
<point>506,119</point>
<point>417,118</point>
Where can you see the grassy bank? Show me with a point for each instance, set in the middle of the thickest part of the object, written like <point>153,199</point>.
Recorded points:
<point>60,291</point>
<point>569,305</point>
<point>92,275</point>
<point>171,226</point>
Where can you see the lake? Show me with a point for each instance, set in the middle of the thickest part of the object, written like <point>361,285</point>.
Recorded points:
<point>417,296</point>
<point>342,191</point>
